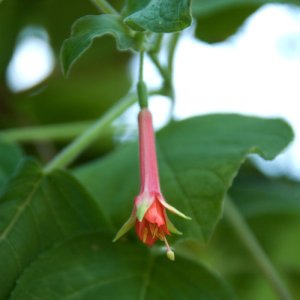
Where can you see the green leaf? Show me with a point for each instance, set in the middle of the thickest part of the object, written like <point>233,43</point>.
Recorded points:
<point>223,24</point>
<point>86,29</point>
<point>159,15</point>
<point>278,236</point>
<point>36,212</point>
<point>132,6</point>
<point>10,157</point>
<point>198,159</point>
<point>271,206</point>
<point>217,20</point>
<point>91,267</point>
<point>256,194</point>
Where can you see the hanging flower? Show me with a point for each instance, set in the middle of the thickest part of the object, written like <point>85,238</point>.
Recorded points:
<point>149,211</point>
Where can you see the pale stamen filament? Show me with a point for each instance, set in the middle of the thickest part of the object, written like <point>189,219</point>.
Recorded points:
<point>167,244</point>
<point>161,236</point>
<point>153,229</point>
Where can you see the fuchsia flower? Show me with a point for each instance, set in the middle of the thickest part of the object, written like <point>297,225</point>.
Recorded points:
<point>149,211</point>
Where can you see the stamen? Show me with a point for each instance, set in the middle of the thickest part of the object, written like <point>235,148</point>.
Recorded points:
<point>145,234</point>
<point>151,226</point>
<point>153,229</point>
<point>160,235</point>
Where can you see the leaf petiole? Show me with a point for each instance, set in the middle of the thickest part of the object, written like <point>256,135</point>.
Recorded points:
<point>171,50</point>
<point>167,71</point>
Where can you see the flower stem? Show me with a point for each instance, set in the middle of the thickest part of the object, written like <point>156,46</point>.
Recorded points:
<point>141,86</point>
<point>105,7</point>
<point>250,242</point>
<point>141,66</point>
<point>67,155</point>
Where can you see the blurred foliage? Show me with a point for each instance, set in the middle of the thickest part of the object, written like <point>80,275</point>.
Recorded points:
<point>271,208</point>
<point>99,79</point>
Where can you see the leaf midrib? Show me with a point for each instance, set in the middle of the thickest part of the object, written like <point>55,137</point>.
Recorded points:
<point>146,278</point>
<point>20,210</point>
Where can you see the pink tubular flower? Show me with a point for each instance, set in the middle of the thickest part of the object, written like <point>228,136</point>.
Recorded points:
<point>149,212</point>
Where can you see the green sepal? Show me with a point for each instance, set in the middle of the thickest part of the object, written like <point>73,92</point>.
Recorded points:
<point>171,227</point>
<point>125,228</point>
<point>142,208</point>
<point>175,210</point>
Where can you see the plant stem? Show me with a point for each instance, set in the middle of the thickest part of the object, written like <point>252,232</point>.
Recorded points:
<point>172,47</point>
<point>105,7</point>
<point>67,155</point>
<point>45,133</point>
<point>250,242</point>
<point>141,86</point>
<point>162,70</point>
<point>168,83</point>
<point>157,43</point>
<point>171,53</point>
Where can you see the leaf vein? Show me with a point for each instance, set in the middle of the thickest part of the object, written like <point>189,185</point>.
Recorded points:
<point>48,203</point>
<point>99,283</point>
<point>146,281</point>
<point>15,254</point>
<point>20,210</point>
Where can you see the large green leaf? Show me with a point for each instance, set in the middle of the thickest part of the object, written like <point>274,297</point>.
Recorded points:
<point>217,20</point>
<point>198,159</point>
<point>36,212</point>
<point>158,15</point>
<point>91,267</point>
<point>256,194</point>
<point>86,29</point>
<point>10,157</point>
<point>271,206</point>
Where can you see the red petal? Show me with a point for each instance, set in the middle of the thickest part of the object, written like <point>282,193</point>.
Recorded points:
<point>155,214</point>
